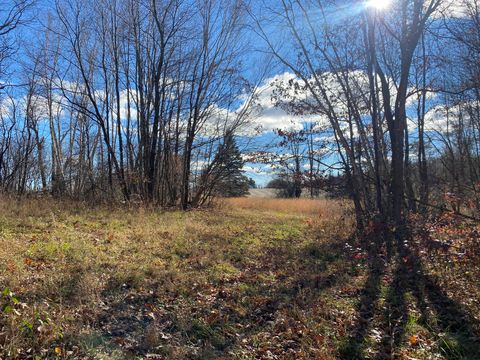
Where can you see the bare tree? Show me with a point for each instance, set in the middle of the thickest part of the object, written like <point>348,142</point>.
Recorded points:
<point>360,81</point>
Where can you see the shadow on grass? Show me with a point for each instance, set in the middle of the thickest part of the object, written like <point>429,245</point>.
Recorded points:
<point>366,309</point>
<point>215,320</point>
<point>212,321</point>
<point>455,331</point>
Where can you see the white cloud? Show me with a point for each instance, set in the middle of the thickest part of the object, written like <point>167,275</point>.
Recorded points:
<point>268,116</point>
<point>456,8</point>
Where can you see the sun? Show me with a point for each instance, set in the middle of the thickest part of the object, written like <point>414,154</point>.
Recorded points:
<point>378,4</point>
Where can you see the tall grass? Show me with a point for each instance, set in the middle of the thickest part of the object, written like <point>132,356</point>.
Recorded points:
<point>328,216</point>
<point>309,207</point>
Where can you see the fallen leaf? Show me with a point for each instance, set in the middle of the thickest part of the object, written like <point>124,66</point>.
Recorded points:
<point>413,340</point>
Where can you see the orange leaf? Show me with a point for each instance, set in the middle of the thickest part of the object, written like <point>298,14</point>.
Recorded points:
<point>11,266</point>
<point>413,340</point>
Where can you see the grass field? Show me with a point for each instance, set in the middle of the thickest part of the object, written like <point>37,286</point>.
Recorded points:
<point>248,279</point>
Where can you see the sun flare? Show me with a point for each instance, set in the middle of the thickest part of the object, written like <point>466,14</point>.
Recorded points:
<point>378,4</point>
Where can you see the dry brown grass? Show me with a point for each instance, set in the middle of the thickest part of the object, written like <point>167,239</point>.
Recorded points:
<point>311,207</point>
<point>323,214</point>
<point>252,279</point>
<point>115,283</point>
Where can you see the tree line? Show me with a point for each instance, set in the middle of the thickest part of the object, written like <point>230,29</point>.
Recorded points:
<point>140,99</point>
<point>144,100</point>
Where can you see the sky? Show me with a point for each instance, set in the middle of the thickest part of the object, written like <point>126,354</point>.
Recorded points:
<point>273,117</point>
<point>261,68</point>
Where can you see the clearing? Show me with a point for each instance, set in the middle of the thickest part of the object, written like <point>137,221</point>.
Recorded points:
<point>248,279</point>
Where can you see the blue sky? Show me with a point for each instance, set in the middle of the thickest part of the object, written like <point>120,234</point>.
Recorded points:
<point>256,62</point>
